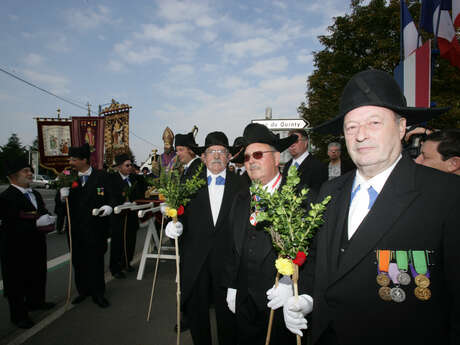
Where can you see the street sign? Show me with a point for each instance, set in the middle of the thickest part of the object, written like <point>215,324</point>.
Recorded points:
<point>283,124</point>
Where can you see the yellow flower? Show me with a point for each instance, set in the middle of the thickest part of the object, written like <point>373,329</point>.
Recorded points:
<point>284,266</point>
<point>161,197</point>
<point>171,212</point>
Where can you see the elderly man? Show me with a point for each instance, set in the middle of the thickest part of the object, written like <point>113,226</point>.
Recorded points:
<point>312,172</point>
<point>441,150</point>
<point>25,221</point>
<point>384,266</point>
<point>89,232</point>
<point>337,166</point>
<point>205,239</point>
<point>250,270</point>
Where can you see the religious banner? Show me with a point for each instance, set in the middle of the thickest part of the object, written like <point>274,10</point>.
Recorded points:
<point>116,134</point>
<point>90,130</point>
<point>54,140</point>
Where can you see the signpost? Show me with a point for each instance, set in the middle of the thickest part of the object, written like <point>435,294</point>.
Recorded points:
<point>283,124</point>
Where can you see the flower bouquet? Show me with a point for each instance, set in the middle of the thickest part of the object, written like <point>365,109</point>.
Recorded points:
<point>67,178</point>
<point>290,227</point>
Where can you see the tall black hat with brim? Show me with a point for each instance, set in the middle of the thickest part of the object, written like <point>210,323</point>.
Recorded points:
<point>215,138</point>
<point>257,133</point>
<point>238,144</point>
<point>15,164</point>
<point>121,158</point>
<point>80,152</point>
<point>185,140</point>
<point>377,88</point>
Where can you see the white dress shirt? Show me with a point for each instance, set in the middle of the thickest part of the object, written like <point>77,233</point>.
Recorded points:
<point>85,173</point>
<point>186,166</point>
<point>273,184</point>
<point>124,177</point>
<point>216,193</point>
<point>29,192</point>
<point>299,160</point>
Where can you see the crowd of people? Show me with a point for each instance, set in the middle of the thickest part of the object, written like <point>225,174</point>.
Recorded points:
<point>381,269</point>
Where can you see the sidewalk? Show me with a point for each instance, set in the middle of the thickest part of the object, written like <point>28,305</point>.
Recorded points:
<point>123,323</point>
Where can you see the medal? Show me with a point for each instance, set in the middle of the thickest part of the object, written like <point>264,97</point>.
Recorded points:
<point>383,257</point>
<point>383,279</point>
<point>384,293</point>
<point>253,218</point>
<point>422,294</point>
<point>403,278</point>
<point>402,262</point>
<point>397,295</point>
<point>422,281</point>
<point>420,269</point>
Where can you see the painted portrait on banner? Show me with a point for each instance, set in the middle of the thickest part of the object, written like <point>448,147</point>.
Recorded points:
<point>116,134</point>
<point>90,130</point>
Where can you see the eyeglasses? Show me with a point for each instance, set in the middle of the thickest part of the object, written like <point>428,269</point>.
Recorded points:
<point>219,152</point>
<point>255,155</point>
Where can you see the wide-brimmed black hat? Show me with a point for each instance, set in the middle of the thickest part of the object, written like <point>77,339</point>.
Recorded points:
<point>80,152</point>
<point>121,158</point>
<point>238,144</point>
<point>187,140</point>
<point>257,133</point>
<point>214,138</point>
<point>377,88</point>
<point>15,164</point>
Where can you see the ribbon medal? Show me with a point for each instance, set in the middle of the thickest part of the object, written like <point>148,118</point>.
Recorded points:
<point>382,278</point>
<point>419,271</point>
<point>100,191</point>
<point>253,218</point>
<point>403,265</point>
<point>396,293</point>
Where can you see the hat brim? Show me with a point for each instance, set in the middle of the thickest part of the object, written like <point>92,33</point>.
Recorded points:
<point>281,145</point>
<point>199,150</point>
<point>413,116</point>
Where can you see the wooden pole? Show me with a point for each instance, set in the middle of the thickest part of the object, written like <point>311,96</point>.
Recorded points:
<point>272,314</point>
<point>176,243</point>
<point>69,283</point>
<point>156,269</point>
<point>124,238</point>
<point>295,279</point>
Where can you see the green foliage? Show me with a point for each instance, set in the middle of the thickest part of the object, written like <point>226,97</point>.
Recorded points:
<point>66,179</point>
<point>288,223</point>
<point>369,37</point>
<point>175,192</point>
<point>12,149</point>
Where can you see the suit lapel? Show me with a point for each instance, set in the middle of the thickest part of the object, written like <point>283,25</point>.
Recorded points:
<point>28,206</point>
<point>396,196</point>
<point>241,220</point>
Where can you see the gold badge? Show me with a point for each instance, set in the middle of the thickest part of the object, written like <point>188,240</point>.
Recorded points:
<point>422,281</point>
<point>385,293</point>
<point>423,294</point>
<point>383,279</point>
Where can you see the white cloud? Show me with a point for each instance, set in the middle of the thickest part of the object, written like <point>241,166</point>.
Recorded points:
<point>89,18</point>
<point>251,47</point>
<point>179,72</point>
<point>193,11</point>
<point>135,54</point>
<point>268,66</point>
<point>234,83</point>
<point>209,36</point>
<point>115,66</point>
<point>305,56</point>
<point>210,67</point>
<point>171,34</point>
<point>33,59</point>
<point>59,43</point>
<point>280,4</point>
<point>57,84</point>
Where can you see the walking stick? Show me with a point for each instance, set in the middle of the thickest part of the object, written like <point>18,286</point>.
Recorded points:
<point>176,244</point>
<point>124,238</point>
<point>69,284</point>
<point>272,314</point>
<point>156,269</point>
<point>295,279</point>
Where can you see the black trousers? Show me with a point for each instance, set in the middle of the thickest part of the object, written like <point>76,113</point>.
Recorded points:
<point>252,324</point>
<point>118,259</point>
<point>207,291</point>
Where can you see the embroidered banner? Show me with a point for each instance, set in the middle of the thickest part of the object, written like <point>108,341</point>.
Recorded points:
<point>90,129</point>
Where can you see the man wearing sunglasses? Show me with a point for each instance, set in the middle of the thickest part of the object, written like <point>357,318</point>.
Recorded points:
<point>250,270</point>
<point>126,187</point>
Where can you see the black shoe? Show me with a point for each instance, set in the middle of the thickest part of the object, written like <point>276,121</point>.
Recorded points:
<point>79,299</point>
<point>41,306</point>
<point>183,327</point>
<point>24,323</point>
<point>101,301</point>
<point>119,275</point>
<point>129,268</point>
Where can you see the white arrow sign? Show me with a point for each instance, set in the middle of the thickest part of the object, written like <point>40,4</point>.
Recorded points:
<point>283,124</point>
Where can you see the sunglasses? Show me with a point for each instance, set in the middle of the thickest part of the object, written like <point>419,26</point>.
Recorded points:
<point>255,155</point>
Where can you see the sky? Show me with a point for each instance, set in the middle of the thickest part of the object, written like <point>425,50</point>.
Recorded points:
<point>214,64</point>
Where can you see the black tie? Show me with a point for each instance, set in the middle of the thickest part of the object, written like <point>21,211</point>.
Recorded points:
<point>238,172</point>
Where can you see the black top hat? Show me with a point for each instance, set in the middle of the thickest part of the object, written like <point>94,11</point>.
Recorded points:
<point>121,158</point>
<point>257,133</point>
<point>80,152</point>
<point>15,164</point>
<point>377,88</point>
<point>185,140</point>
<point>214,138</point>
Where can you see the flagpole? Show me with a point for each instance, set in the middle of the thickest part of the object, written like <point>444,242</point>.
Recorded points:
<point>401,32</point>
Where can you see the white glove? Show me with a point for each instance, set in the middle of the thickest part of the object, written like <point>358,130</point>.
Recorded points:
<point>45,220</point>
<point>231,299</point>
<point>64,192</point>
<point>106,211</point>
<point>277,296</point>
<point>163,206</point>
<point>174,230</point>
<point>294,312</point>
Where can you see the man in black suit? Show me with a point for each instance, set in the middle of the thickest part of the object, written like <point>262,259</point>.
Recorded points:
<point>337,166</point>
<point>238,160</point>
<point>203,243</point>
<point>250,270</point>
<point>312,172</point>
<point>190,161</point>
<point>126,187</point>
<point>25,221</point>
<point>383,268</point>
<point>89,232</point>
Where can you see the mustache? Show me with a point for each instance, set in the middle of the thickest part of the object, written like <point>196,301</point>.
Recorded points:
<point>217,161</point>
<point>254,166</point>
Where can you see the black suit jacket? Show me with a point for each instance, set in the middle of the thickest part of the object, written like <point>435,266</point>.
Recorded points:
<point>417,209</point>
<point>192,170</point>
<point>201,237</point>
<point>312,172</point>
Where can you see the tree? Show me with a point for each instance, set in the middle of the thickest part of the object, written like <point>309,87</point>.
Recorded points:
<point>12,149</point>
<point>368,37</point>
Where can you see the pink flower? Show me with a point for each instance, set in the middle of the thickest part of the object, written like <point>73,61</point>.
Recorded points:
<point>66,172</point>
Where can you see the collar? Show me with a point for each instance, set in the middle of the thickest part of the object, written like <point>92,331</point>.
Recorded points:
<point>124,177</point>
<point>378,181</point>
<point>86,173</point>
<point>22,190</point>
<point>301,158</point>
<point>223,173</point>
<point>186,166</point>
<point>273,184</point>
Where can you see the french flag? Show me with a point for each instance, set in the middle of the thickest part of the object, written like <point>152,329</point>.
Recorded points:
<point>414,76</point>
<point>456,13</point>
<point>410,37</point>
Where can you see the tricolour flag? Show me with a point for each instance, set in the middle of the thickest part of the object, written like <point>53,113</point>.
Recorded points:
<point>410,37</point>
<point>414,76</point>
<point>456,13</point>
